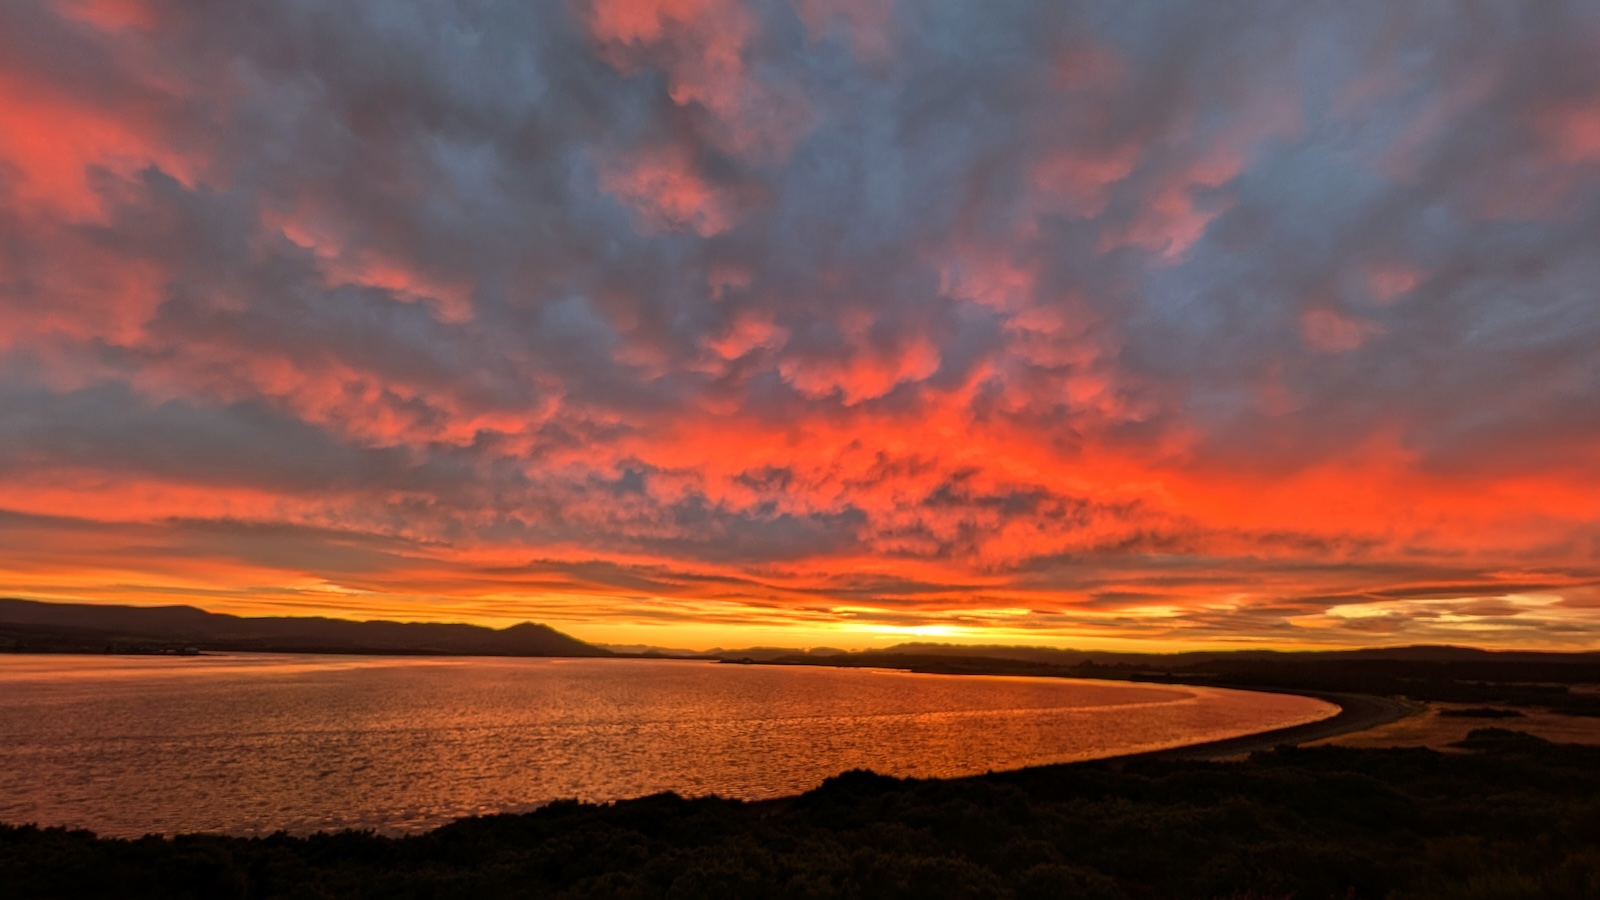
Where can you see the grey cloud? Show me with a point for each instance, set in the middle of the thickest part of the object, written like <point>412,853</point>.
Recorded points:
<point>554,337</point>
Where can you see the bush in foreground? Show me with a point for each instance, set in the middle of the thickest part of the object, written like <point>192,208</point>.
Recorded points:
<point>1511,818</point>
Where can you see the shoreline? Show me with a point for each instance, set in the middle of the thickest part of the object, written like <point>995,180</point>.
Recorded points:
<point>1312,824</point>
<point>1357,712</point>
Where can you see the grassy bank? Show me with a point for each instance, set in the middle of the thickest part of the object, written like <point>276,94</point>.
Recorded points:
<point>1516,817</point>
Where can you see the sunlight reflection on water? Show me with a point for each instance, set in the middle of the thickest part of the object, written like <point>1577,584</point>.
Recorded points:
<point>252,743</point>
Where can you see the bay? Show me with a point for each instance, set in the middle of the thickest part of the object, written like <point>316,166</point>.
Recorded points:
<point>255,743</point>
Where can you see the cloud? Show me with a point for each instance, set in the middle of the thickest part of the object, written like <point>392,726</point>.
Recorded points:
<point>1057,322</point>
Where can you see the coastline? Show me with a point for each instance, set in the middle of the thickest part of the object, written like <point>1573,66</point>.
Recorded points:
<point>1357,713</point>
<point>1322,822</point>
<point>1318,821</point>
<point>1351,713</point>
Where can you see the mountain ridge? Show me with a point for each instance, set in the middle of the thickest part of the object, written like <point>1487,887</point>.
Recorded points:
<point>40,625</point>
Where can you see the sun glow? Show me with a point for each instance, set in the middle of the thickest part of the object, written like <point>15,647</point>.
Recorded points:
<point>747,348</point>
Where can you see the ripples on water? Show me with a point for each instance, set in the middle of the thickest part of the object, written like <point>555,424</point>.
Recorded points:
<point>253,743</point>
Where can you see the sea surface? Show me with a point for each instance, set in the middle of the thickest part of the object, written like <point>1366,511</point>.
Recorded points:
<point>254,743</point>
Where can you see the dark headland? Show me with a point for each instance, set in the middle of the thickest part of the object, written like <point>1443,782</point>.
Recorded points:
<point>28,626</point>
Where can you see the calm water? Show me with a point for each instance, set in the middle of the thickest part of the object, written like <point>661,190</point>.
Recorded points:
<point>254,743</point>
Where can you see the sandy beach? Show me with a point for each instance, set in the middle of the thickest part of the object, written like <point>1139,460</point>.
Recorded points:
<point>1358,713</point>
<point>1365,720</point>
<point>1431,727</point>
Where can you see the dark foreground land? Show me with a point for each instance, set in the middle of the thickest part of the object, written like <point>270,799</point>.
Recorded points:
<point>1511,817</point>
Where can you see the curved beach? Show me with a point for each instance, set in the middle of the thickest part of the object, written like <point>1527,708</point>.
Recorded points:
<point>1357,712</point>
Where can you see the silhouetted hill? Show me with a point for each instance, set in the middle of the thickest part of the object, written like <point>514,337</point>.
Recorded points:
<point>32,625</point>
<point>653,650</point>
<point>1559,682</point>
<point>1058,657</point>
<point>764,654</point>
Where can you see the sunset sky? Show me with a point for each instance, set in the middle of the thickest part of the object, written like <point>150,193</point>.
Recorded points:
<point>805,322</point>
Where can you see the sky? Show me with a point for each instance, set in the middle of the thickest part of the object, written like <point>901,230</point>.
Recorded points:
<point>810,322</point>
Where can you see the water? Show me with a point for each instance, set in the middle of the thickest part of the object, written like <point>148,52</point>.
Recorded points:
<point>253,743</point>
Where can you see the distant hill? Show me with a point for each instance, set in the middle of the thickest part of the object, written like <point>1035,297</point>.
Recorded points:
<point>973,656</point>
<point>1057,657</point>
<point>69,627</point>
<point>1557,682</point>
<point>653,650</point>
<point>763,654</point>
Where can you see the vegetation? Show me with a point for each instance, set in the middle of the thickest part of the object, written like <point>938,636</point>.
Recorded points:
<point>1527,680</point>
<point>1514,817</point>
<point>1481,712</point>
<point>1499,683</point>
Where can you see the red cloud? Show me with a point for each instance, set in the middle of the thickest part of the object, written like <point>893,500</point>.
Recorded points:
<point>667,194</point>
<point>53,142</point>
<point>700,321</point>
<point>1335,332</point>
<point>702,46</point>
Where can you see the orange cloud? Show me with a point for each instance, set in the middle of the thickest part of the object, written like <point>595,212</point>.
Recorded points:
<point>868,373</point>
<point>703,321</point>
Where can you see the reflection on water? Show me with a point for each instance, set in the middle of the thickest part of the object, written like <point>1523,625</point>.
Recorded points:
<point>254,742</point>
